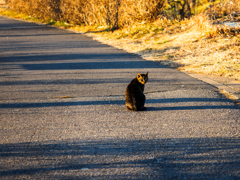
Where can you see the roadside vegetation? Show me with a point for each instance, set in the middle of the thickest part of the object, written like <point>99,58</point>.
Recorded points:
<point>199,36</point>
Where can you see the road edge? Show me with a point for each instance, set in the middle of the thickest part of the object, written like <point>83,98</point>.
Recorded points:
<point>229,91</point>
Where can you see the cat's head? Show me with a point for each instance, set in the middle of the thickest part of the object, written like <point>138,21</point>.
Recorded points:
<point>142,78</point>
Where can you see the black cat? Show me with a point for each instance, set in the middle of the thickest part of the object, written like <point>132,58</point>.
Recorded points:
<point>135,99</point>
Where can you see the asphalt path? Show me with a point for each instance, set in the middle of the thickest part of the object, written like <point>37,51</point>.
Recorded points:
<point>63,116</point>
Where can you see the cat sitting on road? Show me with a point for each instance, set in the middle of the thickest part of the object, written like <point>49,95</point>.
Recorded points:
<point>135,99</point>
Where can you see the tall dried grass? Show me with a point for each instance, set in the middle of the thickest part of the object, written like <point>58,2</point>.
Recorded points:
<point>213,21</point>
<point>101,12</point>
<point>135,11</point>
<point>44,9</point>
<point>227,7</point>
<point>112,13</point>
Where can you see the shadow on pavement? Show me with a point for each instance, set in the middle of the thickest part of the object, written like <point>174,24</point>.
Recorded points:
<point>122,102</point>
<point>187,158</point>
<point>92,65</point>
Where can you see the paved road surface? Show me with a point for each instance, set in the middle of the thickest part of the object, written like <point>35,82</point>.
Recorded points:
<point>190,131</point>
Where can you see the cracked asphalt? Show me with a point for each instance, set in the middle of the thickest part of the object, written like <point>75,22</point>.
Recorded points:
<point>62,113</point>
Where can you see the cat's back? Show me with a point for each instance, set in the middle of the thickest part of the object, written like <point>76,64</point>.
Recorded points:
<point>134,93</point>
<point>132,83</point>
<point>133,87</point>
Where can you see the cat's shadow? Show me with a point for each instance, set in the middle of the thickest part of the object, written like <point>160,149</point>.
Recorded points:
<point>154,108</point>
<point>175,108</point>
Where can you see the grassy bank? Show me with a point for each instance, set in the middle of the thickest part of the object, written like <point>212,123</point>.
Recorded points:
<point>192,45</point>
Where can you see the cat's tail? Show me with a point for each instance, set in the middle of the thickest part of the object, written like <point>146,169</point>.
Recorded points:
<point>130,109</point>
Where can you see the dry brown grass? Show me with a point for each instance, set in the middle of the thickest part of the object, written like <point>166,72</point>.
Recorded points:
<point>137,11</point>
<point>43,9</point>
<point>193,45</point>
<point>226,9</point>
<point>111,13</point>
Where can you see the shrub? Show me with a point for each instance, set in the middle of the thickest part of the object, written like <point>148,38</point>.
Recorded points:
<point>113,13</point>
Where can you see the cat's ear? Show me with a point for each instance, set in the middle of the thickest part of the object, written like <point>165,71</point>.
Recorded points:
<point>138,75</point>
<point>146,74</point>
